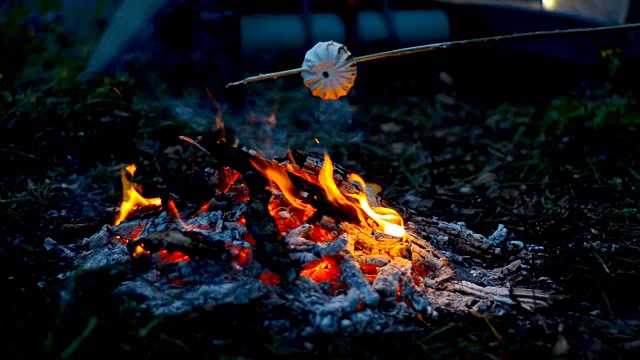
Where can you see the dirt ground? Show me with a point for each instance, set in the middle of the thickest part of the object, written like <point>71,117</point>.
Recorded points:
<point>556,162</point>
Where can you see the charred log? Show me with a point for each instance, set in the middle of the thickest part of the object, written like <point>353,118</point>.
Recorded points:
<point>309,163</point>
<point>352,278</point>
<point>191,243</point>
<point>304,176</point>
<point>271,250</point>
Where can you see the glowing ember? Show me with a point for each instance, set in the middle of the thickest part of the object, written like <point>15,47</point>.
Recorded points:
<point>270,278</point>
<point>126,234</point>
<point>320,234</point>
<point>249,239</point>
<point>131,198</point>
<point>139,251</point>
<point>176,256</point>
<point>370,271</point>
<point>324,270</point>
<point>389,221</point>
<point>243,257</point>
<point>334,195</point>
<point>228,178</point>
<point>219,122</point>
<point>287,218</point>
<point>204,208</point>
<point>173,212</point>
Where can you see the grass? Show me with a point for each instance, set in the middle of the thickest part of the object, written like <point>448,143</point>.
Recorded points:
<point>560,172</point>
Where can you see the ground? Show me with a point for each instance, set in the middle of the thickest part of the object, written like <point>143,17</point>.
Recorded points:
<point>560,170</point>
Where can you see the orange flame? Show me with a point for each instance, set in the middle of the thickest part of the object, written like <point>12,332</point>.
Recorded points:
<point>380,218</point>
<point>389,221</point>
<point>174,213</point>
<point>131,197</point>
<point>278,176</point>
<point>219,122</point>
<point>139,250</point>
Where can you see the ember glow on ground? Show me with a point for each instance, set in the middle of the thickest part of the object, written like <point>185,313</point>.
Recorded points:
<point>288,215</point>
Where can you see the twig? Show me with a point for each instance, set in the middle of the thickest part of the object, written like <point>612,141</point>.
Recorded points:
<point>456,44</point>
<point>261,77</point>
<point>194,143</point>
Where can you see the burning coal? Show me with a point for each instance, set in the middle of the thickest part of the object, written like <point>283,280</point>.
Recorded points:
<point>303,233</point>
<point>287,206</point>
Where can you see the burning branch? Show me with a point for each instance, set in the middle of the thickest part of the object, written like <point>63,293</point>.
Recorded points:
<point>270,246</point>
<point>343,193</point>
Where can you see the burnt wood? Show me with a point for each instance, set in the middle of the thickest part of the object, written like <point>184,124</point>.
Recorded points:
<point>303,172</point>
<point>270,250</point>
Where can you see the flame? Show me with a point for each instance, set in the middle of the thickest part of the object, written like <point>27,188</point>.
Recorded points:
<point>174,213</point>
<point>286,219</point>
<point>244,256</point>
<point>380,218</point>
<point>131,197</point>
<point>139,250</point>
<point>278,176</point>
<point>228,178</point>
<point>388,220</point>
<point>131,169</point>
<point>219,121</point>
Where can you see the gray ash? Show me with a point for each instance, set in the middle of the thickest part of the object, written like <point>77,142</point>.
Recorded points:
<point>349,278</point>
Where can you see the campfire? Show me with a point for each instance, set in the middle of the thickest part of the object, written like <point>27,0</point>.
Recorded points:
<point>303,233</point>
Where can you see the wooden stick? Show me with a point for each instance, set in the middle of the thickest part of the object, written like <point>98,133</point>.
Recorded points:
<point>456,44</point>
<point>261,77</point>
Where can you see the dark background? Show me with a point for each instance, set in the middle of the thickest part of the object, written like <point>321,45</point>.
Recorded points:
<point>516,134</point>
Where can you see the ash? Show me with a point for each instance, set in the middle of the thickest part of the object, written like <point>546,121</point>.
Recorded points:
<point>379,284</point>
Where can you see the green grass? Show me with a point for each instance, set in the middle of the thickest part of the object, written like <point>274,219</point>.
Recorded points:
<point>559,173</point>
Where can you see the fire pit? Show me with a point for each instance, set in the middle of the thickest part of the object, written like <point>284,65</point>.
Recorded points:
<point>303,235</point>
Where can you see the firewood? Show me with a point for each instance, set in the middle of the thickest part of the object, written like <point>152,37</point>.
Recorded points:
<point>191,243</point>
<point>270,245</point>
<point>334,273</point>
<point>302,176</point>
